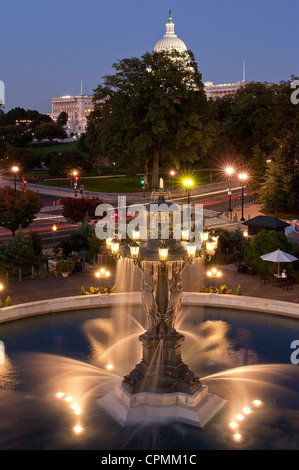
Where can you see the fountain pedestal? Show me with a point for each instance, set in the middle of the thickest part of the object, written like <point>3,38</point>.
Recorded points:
<point>162,386</point>
<point>161,369</point>
<point>196,409</point>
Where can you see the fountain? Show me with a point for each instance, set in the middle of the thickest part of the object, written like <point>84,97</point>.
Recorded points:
<point>162,385</point>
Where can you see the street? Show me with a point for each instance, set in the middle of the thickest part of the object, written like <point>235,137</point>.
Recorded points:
<point>213,204</point>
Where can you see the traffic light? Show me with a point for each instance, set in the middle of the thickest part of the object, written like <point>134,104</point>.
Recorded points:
<point>76,178</point>
<point>142,181</point>
<point>24,182</point>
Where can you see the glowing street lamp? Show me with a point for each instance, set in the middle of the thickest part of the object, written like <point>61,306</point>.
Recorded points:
<point>15,170</point>
<point>54,230</point>
<point>230,171</point>
<point>243,178</point>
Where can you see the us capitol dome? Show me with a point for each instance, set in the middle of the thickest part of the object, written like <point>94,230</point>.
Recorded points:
<point>170,41</point>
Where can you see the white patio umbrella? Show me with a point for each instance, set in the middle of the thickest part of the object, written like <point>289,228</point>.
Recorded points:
<point>279,256</point>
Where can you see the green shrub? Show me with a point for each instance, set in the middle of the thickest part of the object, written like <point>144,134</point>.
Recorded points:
<point>239,290</point>
<point>65,266</point>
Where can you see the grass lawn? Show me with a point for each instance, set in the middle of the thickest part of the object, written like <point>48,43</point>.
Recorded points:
<point>107,185</point>
<point>44,150</point>
<point>286,215</point>
<point>127,185</point>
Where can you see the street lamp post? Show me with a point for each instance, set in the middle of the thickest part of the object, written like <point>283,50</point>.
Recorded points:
<point>102,274</point>
<point>15,169</point>
<point>245,235</point>
<point>172,173</point>
<point>54,229</point>
<point>76,177</point>
<point>230,172</point>
<point>243,177</point>
<point>188,184</point>
<point>214,274</point>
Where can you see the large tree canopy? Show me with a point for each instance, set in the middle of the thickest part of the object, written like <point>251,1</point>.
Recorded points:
<point>154,111</point>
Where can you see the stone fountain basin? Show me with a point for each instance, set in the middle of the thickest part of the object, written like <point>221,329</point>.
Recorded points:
<point>50,306</point>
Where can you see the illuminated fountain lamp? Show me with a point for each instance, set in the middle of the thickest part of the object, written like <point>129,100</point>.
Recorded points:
<point>108,242</point>
<point>211,245</point>
<point>115,244</point>
<point>163,252</point>
<point>134,250</point>
<point>185,235</point>
<point>136,234</point>
<point>205,234</point>
<point>191,252</point>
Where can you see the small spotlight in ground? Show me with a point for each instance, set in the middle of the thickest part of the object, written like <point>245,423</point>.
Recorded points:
<point>74,406</point>
<point>69,399</point>
<point>78,429</point>
<point>257,402</point>
<point>240,417</point>
<point>246,410</point>
<point>237,437</point>
<point>60,395</point>
<point>77,411</point>
<point>233,425</point>
<point>109,367</point>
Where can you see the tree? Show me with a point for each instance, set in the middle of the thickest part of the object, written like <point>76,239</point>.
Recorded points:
<point>18,208</point>
<point>63,163</point>
<point>274,192</point>
<point>265,242</point>
<point>154,111</point>
<point>82,145</point>
<point>25,158</point>
<point>259,114</point>
<point>20,251</point>
<point>17,115</point>
<point>76,210</point>
<point>49,130</point>
<point>62,118</point>
<point>15,136</point>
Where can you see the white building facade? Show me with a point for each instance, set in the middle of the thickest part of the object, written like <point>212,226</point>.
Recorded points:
<point>78,108</point>
<point>219,91</point>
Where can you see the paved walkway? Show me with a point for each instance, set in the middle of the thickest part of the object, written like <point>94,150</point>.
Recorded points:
<point>55,287</point>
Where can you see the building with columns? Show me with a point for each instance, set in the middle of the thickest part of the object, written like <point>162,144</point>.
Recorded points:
<point>78,108</point>
<point>219,91</point>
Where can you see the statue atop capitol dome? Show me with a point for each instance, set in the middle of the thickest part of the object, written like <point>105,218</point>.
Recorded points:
<point>170,41</point>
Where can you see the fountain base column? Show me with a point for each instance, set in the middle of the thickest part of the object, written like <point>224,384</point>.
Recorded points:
<point>196,409</point>
<point>161,370</point>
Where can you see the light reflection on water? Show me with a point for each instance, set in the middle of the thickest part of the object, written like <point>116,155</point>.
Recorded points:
<point>235,353</point>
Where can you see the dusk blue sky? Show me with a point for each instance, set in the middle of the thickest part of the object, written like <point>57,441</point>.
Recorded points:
<point>47,47</point>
